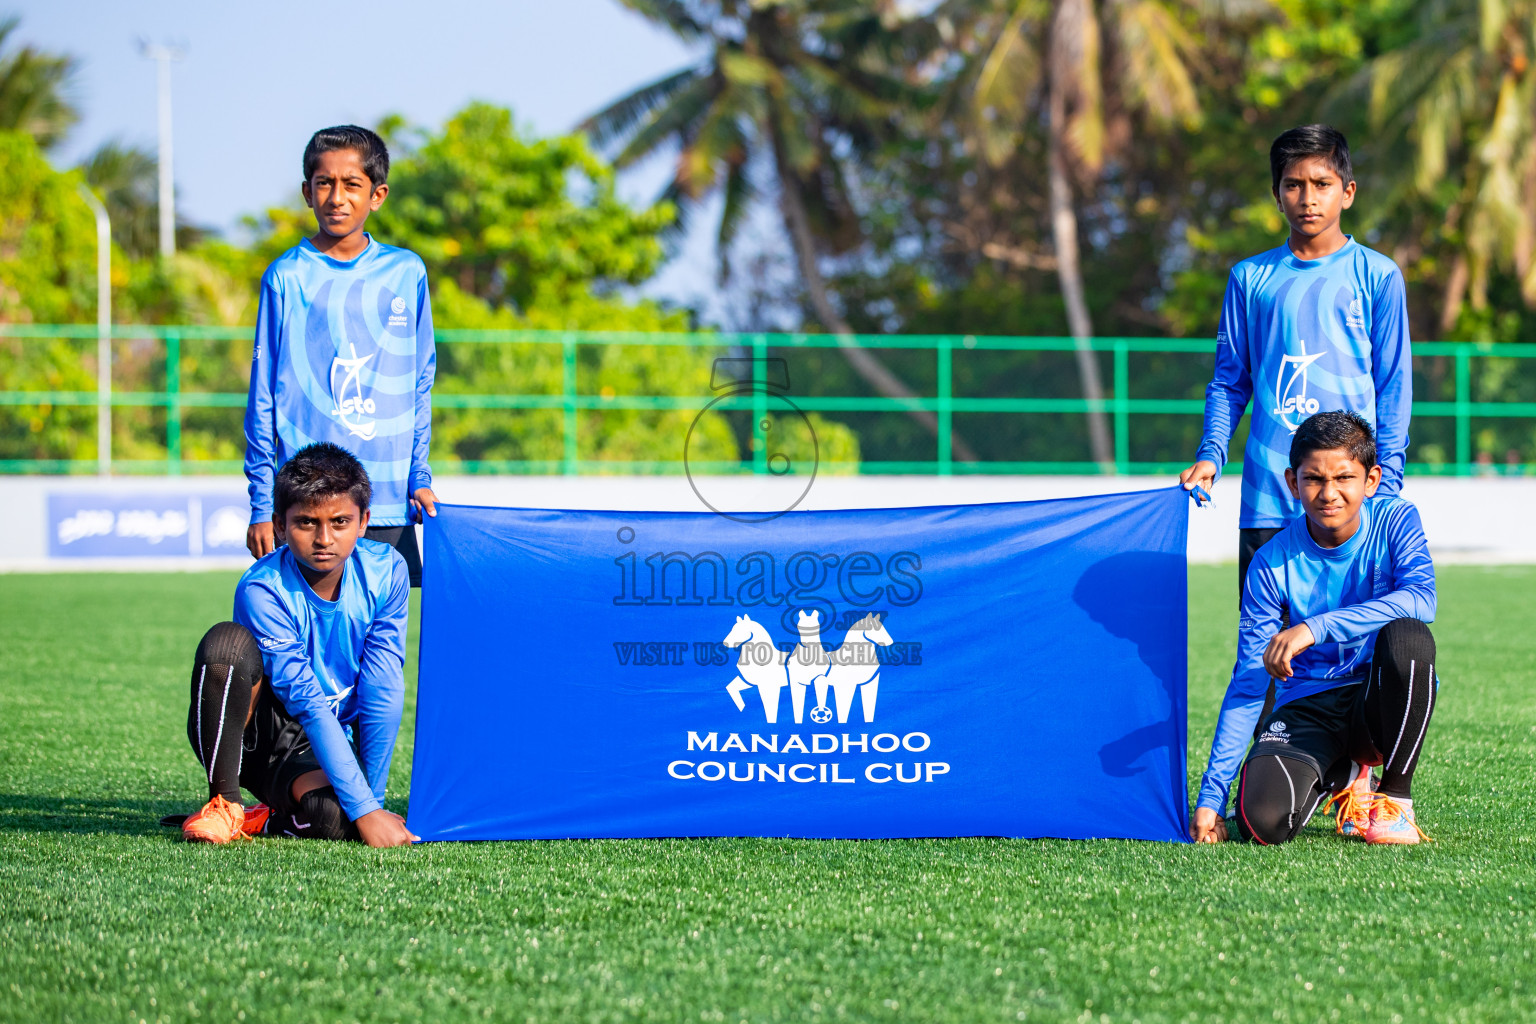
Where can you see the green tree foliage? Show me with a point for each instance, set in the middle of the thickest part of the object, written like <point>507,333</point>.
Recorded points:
<point>1455,107</point>
<point>47,253</point>
<point>517,222</point>
<point>47,238</point>
<point>1094,72</point>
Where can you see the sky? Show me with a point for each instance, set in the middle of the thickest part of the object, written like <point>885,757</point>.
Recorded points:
<point>259,78</point>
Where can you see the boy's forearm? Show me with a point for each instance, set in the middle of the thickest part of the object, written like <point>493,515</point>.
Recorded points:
<point>260,453</point>
<point>1224,406</point>
<point>1392,439</point>
<point>301,696</point>
<point>335,755</point>
<point>378,727</point>
<point>1233,727</point>
<point>1357,620</point>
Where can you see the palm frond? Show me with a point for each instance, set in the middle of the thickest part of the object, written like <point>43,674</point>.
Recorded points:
<point>619,118</point>
<point>681,113</point>
<point>1005,78</point>
<point>718,140</point>
<point>671,14</point>
<point>1159,53</point>
<point>740,194</point>
<point>36,90</point>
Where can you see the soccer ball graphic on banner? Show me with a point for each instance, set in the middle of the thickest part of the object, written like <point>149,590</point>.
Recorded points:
<point>852,667</point>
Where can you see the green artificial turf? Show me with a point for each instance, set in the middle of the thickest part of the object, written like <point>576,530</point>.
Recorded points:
<point>106,916</point>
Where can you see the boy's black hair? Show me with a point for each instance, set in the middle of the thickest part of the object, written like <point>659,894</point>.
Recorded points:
<point>319,471</point>
<point>1330,431</point>
<point>370,148</point>
<point>1321,140</point>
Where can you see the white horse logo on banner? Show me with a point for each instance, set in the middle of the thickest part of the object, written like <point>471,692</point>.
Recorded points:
<point>808,661</point>
<point>853,668</point>
<point>759,663</point>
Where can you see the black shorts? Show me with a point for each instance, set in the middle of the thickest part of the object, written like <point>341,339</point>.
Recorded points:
<point>1325,731</point>
<point>274,752</point>
<point>403,540</point>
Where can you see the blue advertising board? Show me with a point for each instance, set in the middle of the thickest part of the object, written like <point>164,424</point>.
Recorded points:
<point>1010,669</point>
<point>85,524</point>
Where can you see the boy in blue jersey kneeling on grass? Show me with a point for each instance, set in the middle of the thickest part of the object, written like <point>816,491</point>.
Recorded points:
<point>344,349</point>
<point>1354,676</point>
<point>299,698</point>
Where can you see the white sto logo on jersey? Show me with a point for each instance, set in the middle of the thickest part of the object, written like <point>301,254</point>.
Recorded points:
<point>1291,402</point>
<point>351,404</point>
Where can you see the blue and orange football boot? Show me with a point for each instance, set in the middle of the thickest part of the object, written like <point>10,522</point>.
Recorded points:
<point>1352,805</point>
<point>1392,824</point>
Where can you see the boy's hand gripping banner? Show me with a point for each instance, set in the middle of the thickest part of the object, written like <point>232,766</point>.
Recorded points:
<point>1011,669</point>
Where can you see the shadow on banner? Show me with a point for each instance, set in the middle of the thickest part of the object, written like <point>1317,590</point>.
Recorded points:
<point>1011,669</point>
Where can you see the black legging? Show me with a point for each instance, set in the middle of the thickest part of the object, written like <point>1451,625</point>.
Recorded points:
<point>225,670</point>
<point>1277,794</point>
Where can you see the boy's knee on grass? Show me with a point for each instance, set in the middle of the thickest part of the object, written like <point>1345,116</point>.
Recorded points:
<point>1272,799</point>
<point>318,815</point>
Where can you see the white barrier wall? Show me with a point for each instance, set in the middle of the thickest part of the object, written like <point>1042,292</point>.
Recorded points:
<point>159,523</point>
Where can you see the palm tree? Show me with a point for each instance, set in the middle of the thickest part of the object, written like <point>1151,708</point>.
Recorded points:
<point>127,179</point>
<point>784,84</point>
<point>1045,60</point>
<point>1454,112</point>
<point>34,90</point>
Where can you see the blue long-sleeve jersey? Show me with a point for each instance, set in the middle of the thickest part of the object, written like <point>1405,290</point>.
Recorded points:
<point>1301,337</point>
<point>1343,594</point>
<point>344,353</point>
<point>336,664</point>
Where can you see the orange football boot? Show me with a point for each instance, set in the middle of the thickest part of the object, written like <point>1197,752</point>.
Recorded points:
<point>256,819</point>
<point>218,822</point>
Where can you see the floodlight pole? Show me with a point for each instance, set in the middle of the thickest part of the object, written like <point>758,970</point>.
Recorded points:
<point>103,331</point>
<point>163,55</point>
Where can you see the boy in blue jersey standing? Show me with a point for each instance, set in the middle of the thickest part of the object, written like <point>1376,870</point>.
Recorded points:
<point>344,350</point>
<point>1355,676</point>
<point>1319,322</point>
<point>299,698</point>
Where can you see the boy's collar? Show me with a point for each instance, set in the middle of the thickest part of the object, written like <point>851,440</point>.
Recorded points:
<point>1294,262</point>
<point>309,247</point>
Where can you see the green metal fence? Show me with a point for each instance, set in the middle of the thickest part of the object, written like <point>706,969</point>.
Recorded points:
<point>943,403</point>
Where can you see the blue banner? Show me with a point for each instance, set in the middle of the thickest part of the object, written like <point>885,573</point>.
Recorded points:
<point>1010,669</point>
<point>94,524</point>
